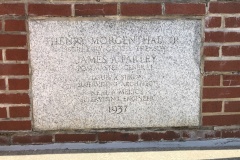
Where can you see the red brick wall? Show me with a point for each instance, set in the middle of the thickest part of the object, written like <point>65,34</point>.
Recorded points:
<point>220,109</point>
<point>221,80</point>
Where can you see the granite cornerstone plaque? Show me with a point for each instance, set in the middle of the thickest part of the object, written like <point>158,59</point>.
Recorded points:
<point>115,73</point>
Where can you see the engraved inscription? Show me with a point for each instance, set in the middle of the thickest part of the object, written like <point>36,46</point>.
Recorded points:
<point>117,109</point>
<point>115,73</point>
<point>131,84</point>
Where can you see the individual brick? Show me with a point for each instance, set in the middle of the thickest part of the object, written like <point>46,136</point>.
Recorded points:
<point>49,9</point>
<point>16,112</point>
<point>224,7</point>
<point>231,134</point>
<point>211,51</point>
<point>157,136</point>
<point>185,8</point>
<point>214,36</point>
<point>17,54</point>
<point>14,69</point>
<point>117,136</point>
<point>214,106</point>
<point>15,25</point>
<point>220,36</point>
<point>211,93</point>
<point>95,9</point>
<point>75,138</point>
<point>31,139</point>
<point>140,9</point>
<point>15,125</point>
<point>12,9</point>
<point>232,22</point>
<point>232,106</point>
<point>211,80</point>
<point>212,134</point>
<point>10,40</point>
<point>212,22</point>
<point>221,120</point>
<point>18,84</point>
<point>222,66</point>
<point>15,98</point>
<point>231,80</point>
<point>231,50</point>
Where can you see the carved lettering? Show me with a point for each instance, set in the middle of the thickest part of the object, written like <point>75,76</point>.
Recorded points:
<point>53,41</point>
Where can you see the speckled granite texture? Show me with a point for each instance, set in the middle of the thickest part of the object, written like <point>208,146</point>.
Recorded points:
<point>115,73</point>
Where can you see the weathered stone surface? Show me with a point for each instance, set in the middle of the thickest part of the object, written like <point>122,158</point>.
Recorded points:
<point>115,73</point>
